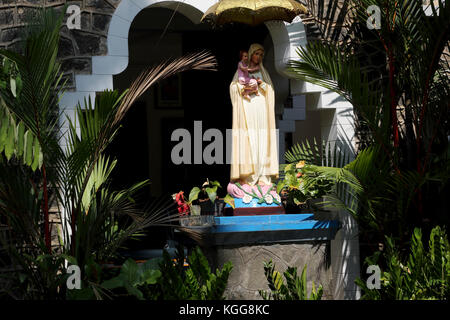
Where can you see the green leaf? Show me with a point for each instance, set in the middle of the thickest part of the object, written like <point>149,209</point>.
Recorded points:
<point>19,83</point>
<point>40,159</point>
<point>20,139</point>
<point>12,83</point>
<point>212,193</point>
<point>277,280</point>
<point>280,185</point>
<point>28,141</point>
<point>303,280</point>
<point>150,271</point>
<point>3,131</point>
<point>131,272</point>
<point>260,191</point>
<point>36,155</point>
<point>6,65</point>
<point>215,183</point>
<point>193,195</point>
<point>151,276</point>
<point>113,283</point>
<point>10,141</point>
<point>135,292</point>
<point>230,200</point>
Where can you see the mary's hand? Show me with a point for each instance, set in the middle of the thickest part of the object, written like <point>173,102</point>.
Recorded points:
<point>262,85</point>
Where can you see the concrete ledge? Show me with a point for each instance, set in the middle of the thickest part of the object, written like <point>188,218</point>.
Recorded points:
<point>269,229</point>
<point>262,237</point>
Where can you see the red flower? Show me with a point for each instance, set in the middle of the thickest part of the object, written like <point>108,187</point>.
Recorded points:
<point>183,207</point>
<point>179,197</point>
<point>183,210</point>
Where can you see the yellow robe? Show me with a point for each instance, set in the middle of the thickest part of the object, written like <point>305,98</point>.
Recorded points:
<point>254,150</point>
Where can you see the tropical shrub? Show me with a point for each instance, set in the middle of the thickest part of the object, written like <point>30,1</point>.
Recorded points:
<point>169,279</point>
<point>38,174</point>
<point>396,77</point>
<point>295,287</point>
<point>424,274</point>
<point>134,276</point>
<point>302,185</point>
<point>197,282</point>
<point>35,277</point>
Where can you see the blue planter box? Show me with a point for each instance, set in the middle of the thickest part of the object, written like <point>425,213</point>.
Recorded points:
<point>271,228</point>
<point>269,223</point>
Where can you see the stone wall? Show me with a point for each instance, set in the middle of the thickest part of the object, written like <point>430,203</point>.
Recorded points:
<point>76,46</point>
<point>247,276</point>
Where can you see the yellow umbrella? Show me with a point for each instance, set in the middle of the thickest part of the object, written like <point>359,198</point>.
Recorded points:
<point>253,12</point>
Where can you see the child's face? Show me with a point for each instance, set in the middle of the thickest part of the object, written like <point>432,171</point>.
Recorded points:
<point>245,56</point>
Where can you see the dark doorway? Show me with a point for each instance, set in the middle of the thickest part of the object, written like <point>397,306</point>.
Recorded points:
<point>129,148</point>
<point>206,95</point>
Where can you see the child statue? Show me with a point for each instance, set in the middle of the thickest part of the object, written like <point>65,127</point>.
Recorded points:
<point>250,83</point>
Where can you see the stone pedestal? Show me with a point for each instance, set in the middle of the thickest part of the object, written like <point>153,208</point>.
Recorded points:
<point>288,240</point>
<point>247,276</point>
<point>326,242</point>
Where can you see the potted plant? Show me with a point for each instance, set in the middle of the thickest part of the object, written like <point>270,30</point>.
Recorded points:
<point>206,196</point>
<point>301,188</point>
<point>189,212</point>
<point>201,202</point>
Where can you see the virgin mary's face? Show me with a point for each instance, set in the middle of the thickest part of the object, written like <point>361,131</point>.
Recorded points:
<point>257,56</point>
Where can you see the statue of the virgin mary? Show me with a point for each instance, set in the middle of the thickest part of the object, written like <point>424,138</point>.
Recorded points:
<point>254,152</point>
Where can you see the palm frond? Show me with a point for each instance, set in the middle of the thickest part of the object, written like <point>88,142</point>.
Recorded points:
<point>336,154</point>
<point>194,61</point>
